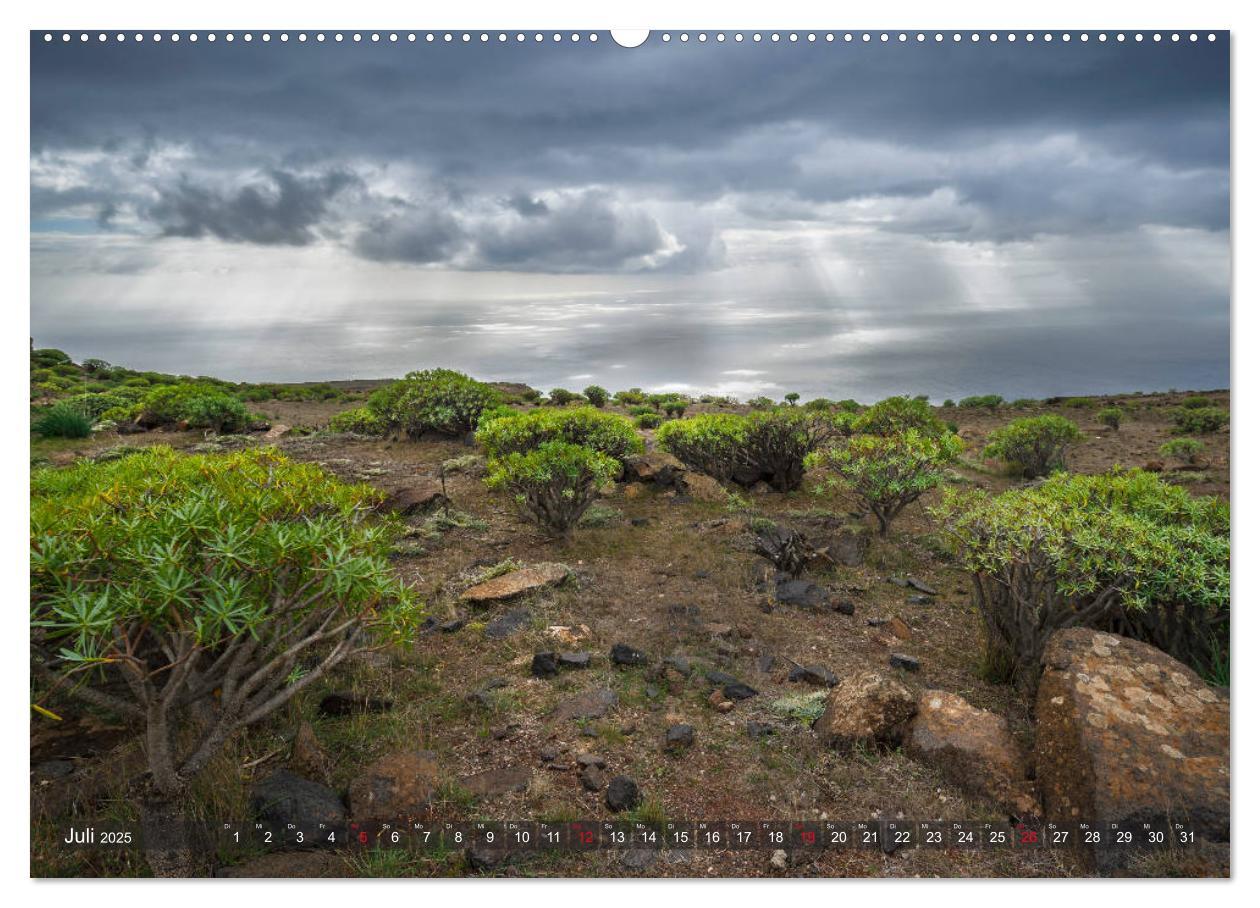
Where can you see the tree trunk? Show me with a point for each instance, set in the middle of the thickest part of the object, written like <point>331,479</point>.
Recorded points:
<point>169,846</point>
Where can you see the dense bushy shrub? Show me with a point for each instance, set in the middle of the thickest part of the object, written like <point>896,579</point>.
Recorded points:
<point>819,405</point>
<point>1023,403</point>
<point>1199,420</point>
<point>360,421</point>
<point>1183,450</point>
<point>630,397</point>
<point>979,401</point>
<point>895,415</point>
<point>1111,417</point>
<point>200,406</point>
<point>1123,552</point>
<point>1078,403</point>
<point>94,404</point>
<point>643,410</point>
<point>1197,401</point>
<point>948,403</point>
<point>433,400</point>
<point>597,396</point>
<point>710,442</point>
<point>218,586</point>
<point>49,357</point>
<point>1034,444</point>
<point>607,433</point>
<point>562,397</point>
<point>63,420</point>
<point>768,445</point>
<point>674,408</point>
<point>553,483</point>
<point>884,473</point>
<point>649,420</point>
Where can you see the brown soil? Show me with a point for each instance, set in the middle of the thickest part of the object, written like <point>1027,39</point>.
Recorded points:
<point>653,586</point>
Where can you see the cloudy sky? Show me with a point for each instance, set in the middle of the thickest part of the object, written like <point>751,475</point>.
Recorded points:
<point>835,219</point>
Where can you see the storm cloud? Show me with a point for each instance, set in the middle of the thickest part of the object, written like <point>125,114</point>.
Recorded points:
<point>868,200</point>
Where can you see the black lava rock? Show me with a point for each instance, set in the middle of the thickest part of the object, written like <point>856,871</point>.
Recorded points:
<point>283,797</point>
<point>814,674</point>
<point>738,691</point>
<point>901,660</point>
<point>544,665</point>
<point>575,660</point>
<point>679,736</point>
<point>623,654</point>
<point>844,606</point>
<point>760,729</point>
<point>508,623</point>
<point>622,794</point>
<point>346,703</point>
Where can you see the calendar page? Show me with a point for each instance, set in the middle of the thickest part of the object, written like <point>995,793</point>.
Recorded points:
<point>572,453</point>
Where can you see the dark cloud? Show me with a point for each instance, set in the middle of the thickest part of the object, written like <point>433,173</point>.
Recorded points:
<point>282,210</point>
<point>416,237</point>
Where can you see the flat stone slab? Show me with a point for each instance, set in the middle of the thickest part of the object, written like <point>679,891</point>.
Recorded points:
<point>593,704</point>
<point>495,782</point>
<point>516,583</point>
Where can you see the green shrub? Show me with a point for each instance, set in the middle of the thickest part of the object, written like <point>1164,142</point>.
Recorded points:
<point>1024,403</point>
<point>895,415</point>
<point>597,396</point>
<point>768,445</point>
<point>819,405</point>
<point>947,403</point>
<point>96,366</point>
<point>1122,552</point>
<point>630,397</point>
<point>849,405</point>
<point>762,403</point>
<point>985,401</point>
<point>1197,402</point>
<point>649,420</point>
<point>1111,417</point>
<point>674,408</point>
<point>216,586</point>
<point>360,421</point>
<point>791,398</point>
<point>1199,420</point>
<point>885,473</point>
<point>643,410</point>
<point>1078,403</point>
<point>49,357</point>
<point>560,397</point>
<point>63,420</point>
<point>1034,444</point>
<point>1183,450</point>
<point>201,406</point>
<point>607,433</point>
<point>553,483</point>
<point>93,405</point>
<point>710,442</point>
<point>433,400</point>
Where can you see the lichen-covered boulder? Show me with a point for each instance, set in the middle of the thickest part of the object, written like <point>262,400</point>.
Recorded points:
<point>516,583</point>
<point>865,708</point>
<point>1126,733</point>
<point>973,748</point>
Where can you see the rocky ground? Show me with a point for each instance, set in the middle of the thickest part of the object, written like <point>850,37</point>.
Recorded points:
<point>659,616</point>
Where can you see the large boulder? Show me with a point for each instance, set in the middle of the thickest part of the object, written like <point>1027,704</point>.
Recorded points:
<point>973,748</point>
<point>283,797</point>
<point>1126,733</point>
<point>864,708</point>
<point>395,787</point>
<point>516,583</point>
<point>702,487</point>
<point>420,498</point>
<point>656,467</point>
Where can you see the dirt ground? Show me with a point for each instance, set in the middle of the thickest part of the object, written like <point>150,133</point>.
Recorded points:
<point>667,576</point>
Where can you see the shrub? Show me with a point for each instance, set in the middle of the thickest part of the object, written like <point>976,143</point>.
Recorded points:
<point>849,405</point>
<point>1182,450</point>
<point>985,401</point>
<point>1024,403</point>
<point>762,403</point>
<point>49,357</point>
<point>630,397</point>
<point>63,420</point>
<point>791,398</point>
<point>218,412</point>
<point>1122,552</point>
<point>96,366</point>
<point>1199,420</point>
<point>765,444</point>
<point>1078,403</point>
<point>710,442</point>
<point>649,420</point>
<point>947,403</point>
<point>94,404</point>
<point>607,433</point>
<point>597,396</point>
<point>553,483</point>
<point>1197,402</point>
<point>1111,417</point>
<point>895,415</point>
<point>884,473</point>
<point>642,410</point>
<point>674,408</point>
<point>360,421</point>
<point>561,397</point>
<point>215,586</point>
<point>1034,444</point>
<point>819,405</point>
<point>433,400</point>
